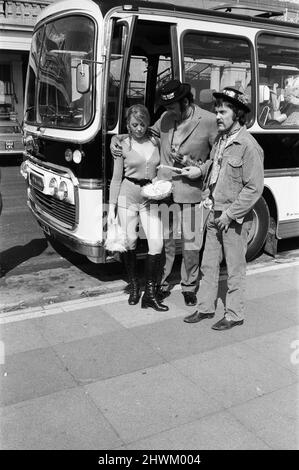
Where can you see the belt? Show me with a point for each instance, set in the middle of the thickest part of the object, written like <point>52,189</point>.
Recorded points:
<point>142,182</point>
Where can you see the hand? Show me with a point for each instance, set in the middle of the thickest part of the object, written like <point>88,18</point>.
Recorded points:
<point>191,172</point>
<point>115,147</point>
<point>223,222</point>
<point>177,157</point>
<point>111,218</point>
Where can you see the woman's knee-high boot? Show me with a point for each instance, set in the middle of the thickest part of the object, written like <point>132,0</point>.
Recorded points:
<point>149,298</point>
<point>130,262</point>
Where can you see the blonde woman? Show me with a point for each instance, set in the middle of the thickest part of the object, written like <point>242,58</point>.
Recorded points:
<point>136,168</point>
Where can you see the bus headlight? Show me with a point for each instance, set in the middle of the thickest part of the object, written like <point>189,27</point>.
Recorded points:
<point>62,192</point>
<point>53,187</point>
<point>68,155</point>
<point>77,156</point>
<point>28,142</point>
<point>24,170</point>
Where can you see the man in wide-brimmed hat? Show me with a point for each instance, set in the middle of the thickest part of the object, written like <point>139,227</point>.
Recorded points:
<point>187,134</point>
<point>235,182</point>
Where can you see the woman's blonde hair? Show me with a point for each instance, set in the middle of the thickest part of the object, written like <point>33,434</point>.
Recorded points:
<point>140,112</point>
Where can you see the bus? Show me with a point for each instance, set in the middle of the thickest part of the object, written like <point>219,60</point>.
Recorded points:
<point>91,60</point>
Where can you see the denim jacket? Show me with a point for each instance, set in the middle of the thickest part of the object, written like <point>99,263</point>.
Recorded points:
<point>241,178</point>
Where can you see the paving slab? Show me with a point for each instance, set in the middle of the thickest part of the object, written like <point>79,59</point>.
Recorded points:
<point>31,374</point>
<point>176,300</point>
<point>99,357</point>
<point>274,418</point>
<point>131,316</point>
<point>285,303</point>
<point>21,336</point>
<point>279,347</point>
<point>280,280</point>
<point>75,325</point>
<point>64,420</point>
<point>260,320</point>
<point>150,401</point>
<point>234,374</point>
<point>215,432</point>
<point>174,339</point>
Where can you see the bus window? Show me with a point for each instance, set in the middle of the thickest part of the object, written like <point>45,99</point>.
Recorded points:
<point>214,61</point>
<point>138,76</point>
<point>118,44</point>
<point>150,64</point>
<point>136,88</point>
<point>279,81</point>
<point>67,42</point>
<point>30,111</point>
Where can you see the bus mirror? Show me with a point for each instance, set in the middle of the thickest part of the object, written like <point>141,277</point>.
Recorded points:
<point>82,78</point>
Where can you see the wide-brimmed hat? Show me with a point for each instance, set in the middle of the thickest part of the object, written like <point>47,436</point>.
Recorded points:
<point>173,91</point>
<point>234,96</point>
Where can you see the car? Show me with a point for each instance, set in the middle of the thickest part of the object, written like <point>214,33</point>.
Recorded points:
<point>11,137</point>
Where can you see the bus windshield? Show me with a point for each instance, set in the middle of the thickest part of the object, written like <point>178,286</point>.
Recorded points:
<point>52,96</point>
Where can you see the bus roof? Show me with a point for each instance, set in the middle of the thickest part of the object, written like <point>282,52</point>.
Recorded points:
<point>254,9</point>
<point>172,8</point>
<point>263,17</point>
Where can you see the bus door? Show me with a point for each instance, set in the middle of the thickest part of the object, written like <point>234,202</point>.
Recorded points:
<point>141,58</point>
<point>153,61</point>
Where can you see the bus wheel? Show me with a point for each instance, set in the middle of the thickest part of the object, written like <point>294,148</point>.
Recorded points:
<point>259,229</point>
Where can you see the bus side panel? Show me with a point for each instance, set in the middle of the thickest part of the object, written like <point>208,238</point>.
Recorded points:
<point>286,194</point>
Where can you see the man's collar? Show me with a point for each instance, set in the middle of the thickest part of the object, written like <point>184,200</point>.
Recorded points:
<point>238,131</point>
<point>238,138</point>
<point>233,130</point>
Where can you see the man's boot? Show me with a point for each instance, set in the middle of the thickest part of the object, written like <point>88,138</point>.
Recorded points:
<point>149,298</point>
<point>130,262</point>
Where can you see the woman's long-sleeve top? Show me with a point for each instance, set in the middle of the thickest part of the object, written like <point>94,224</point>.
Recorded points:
<point>138,161</point>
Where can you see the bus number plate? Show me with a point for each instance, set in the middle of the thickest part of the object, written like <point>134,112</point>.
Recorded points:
<point>36,181</point>
<point>9,145</point>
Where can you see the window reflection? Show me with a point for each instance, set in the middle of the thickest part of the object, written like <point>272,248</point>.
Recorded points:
<point>52,76</point>
<point>279,81</point>
<point>214,61</point>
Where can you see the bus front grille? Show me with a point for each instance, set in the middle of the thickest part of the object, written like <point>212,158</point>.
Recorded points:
<point>60,210</point>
